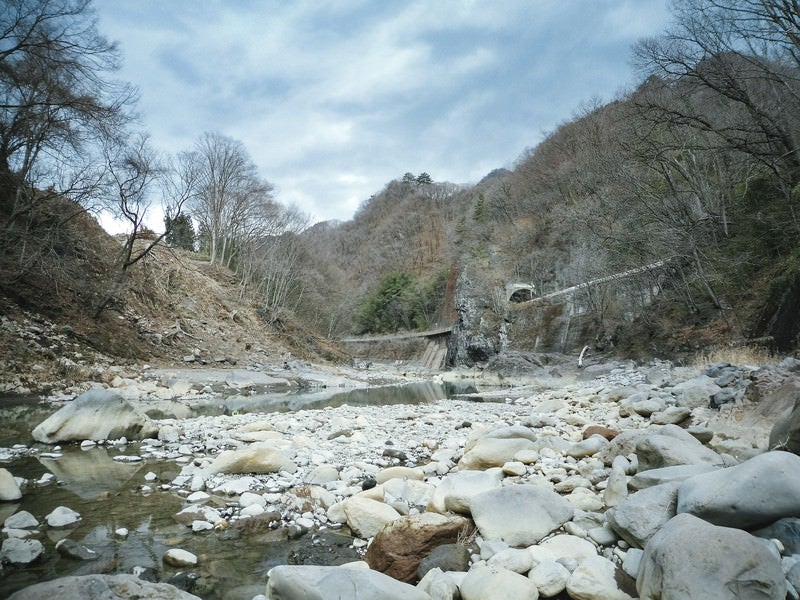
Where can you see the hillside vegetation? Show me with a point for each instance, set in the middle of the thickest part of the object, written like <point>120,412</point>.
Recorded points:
<point>688,184</point>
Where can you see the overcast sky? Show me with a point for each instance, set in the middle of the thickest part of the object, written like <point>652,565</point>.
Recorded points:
<point>335,98</point>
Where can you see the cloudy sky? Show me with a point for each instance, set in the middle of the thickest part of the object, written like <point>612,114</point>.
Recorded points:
<point>335,98</point>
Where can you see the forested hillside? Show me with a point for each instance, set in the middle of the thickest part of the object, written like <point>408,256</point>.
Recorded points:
<point>696,170</point>
<point>679,200</point>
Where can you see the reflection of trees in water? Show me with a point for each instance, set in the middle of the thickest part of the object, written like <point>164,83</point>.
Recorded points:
<point>90,473</point>
<point>413,393</point>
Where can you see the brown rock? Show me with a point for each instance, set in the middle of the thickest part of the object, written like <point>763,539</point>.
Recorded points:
<point>400,545</point>
<point>606,432</point>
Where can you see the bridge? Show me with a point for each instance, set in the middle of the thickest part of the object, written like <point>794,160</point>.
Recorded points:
<point>513,289</point>
<point>435,351</point>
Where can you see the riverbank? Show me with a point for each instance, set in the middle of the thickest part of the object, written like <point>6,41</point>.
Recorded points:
<point>352,470</point>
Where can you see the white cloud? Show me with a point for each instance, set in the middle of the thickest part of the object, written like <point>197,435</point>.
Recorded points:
<point>334,98</point>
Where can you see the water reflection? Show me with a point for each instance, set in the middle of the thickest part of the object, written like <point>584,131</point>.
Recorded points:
<point>90,473</point>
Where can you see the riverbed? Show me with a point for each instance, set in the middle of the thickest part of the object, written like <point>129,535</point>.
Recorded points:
<point>115,496</point>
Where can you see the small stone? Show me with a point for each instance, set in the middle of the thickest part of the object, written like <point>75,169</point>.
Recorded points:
<point>176,557</point>
<point>62,517</point>
<point>21,520</point>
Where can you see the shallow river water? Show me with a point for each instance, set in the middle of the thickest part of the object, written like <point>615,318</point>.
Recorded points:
<point>111,495</point>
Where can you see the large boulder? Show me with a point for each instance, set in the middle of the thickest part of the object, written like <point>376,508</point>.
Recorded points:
<point>520,515</point>
<point>306,582</point>
<point>9,488</point>
<point>95,415</point>
<point>488,583</point>
<point>786,530</point>
<point>102,587</point>
<point>595,579</point>
<point>696,392</point>
<point>637,518</point>
<point>494,452</point>
<point>456,490</point>
<point>260,457</point>
<point>691,559</point>
<point>785,433</point>
<point>398,548</point>
<point>752,494</point>
<point>366,517</point>
<point>672,446</point>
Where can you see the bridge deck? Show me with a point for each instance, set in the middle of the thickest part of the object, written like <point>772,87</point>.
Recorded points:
<point>399,336</point>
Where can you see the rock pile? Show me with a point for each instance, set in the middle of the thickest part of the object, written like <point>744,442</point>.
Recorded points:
<point>535,495</point>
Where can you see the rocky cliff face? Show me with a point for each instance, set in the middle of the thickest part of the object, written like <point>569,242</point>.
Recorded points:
<point>478,331</point>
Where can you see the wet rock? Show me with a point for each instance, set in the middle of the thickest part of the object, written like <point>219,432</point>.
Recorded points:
<point>20,552</point>
<point>398,548</point>
<point>692,559</point>
<point>62,516</point>
<point>289,582</point>
<point>72,549</point>
<point>182,559</point>
<point>537,511</point>
<point>9,488</point>
<point>102,587</point>
<point>95,415</point>
<point>21,520</point>
<point>754,493</point>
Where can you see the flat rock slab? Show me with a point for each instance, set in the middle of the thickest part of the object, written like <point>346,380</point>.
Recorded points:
<point>519,515</point>
<point>288,582</point>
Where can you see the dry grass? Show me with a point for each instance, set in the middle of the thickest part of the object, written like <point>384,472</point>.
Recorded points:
<point>736,355</point>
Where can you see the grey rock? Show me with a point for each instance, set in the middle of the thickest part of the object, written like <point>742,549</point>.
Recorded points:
<point>72,549</point>
<point>537,511</point>
<point>673,446</point>
<point>95,415</point>
<point>102,587</point>
<point>786,530</point>
<point>651,477</point>
<point>306,582</point>
<point>484,583</point>
<point>671,415</point>
<point>752,494</point>
<point>21,520</point>
<point>61,516</point>
<point>696,392</point>
<point>785,433</point>
<point>20,552</point>
<point>9,489</point>
<point>691,559</point>
<point>447,557</point>
<point>637,518</point>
